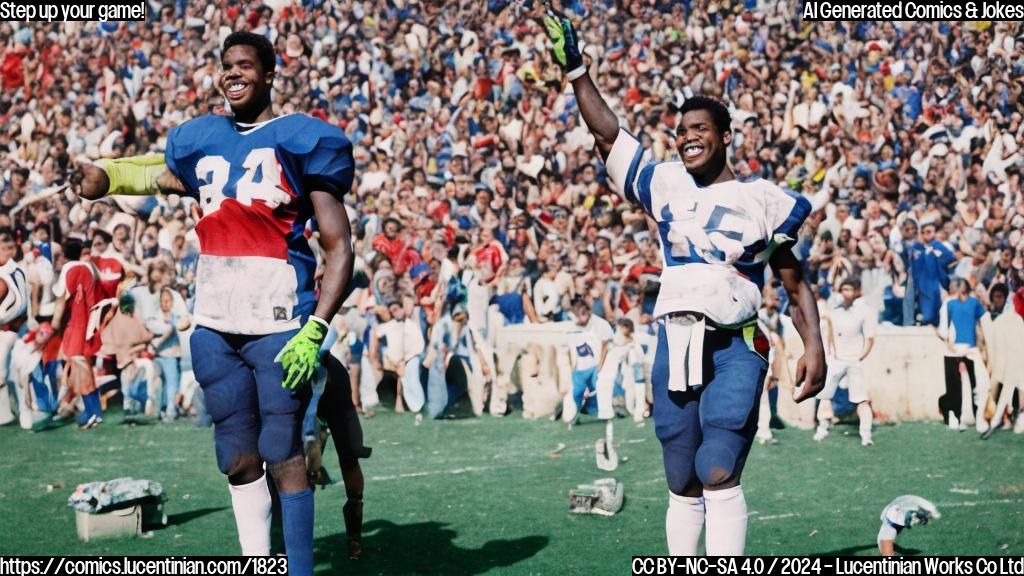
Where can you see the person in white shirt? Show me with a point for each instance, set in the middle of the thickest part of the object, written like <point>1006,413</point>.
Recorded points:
<point>903,512</point>
<point>623,363</point>
<point>588,348</point>
<point>851,334</point>
<point>403,353</point>
<point>550,290</point>
<point>1004,331</point>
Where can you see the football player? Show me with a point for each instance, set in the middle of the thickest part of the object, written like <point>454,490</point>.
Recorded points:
<point>717,236</point>
<point>258,179</point>
<point>903,512</point>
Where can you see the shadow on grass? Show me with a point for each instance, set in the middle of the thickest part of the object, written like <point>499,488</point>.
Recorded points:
<point>853,549</point>
<point>421,548</point>
<point>184,517</point>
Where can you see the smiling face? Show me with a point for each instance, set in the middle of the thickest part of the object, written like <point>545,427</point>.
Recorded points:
<point>244,82</point>
<point>701,145</point>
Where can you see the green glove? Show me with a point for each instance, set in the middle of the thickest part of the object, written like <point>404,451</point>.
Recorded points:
<point>300,357</point>
<point>134,175</point>
<point>566,45</point>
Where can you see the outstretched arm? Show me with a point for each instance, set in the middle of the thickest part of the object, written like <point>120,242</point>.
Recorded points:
<point>132,176</point>
<point>810,368</point>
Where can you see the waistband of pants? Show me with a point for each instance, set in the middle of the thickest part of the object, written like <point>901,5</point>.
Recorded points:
<point>712,326</point>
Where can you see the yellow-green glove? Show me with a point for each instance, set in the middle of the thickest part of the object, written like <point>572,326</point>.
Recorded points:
<point>566,49</point>
<point>134,175</point>
<point>300,357</point>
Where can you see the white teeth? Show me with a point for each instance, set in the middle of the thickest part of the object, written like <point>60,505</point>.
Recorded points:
<point>236,87</point>
<point>691,151</point>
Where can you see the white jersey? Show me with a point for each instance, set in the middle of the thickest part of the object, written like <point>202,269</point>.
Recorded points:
<point>622,351</point>
<point>585,342</point>
<point>716,240</point>
<point>851,327</point>
<point>40,271</point>
<point>404,339</point>
<point>909,510</point>
<point>14,304</point>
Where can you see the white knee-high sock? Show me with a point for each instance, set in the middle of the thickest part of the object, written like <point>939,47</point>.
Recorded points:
<point>866,418</point>
<point>683,524</point>
<point>726,533</point>
<point>251,504</point>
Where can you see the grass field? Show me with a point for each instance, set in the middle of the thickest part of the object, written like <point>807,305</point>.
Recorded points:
<point>488,495</point>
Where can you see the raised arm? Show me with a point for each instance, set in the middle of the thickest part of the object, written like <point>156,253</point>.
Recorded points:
<point>596,113</point>
<point>600,119</point>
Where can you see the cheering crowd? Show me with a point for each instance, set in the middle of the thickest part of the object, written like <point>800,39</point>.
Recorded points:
<point>480,202</point>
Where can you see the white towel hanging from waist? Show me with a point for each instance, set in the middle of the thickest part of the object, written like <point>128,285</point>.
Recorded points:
<point>684,334</point>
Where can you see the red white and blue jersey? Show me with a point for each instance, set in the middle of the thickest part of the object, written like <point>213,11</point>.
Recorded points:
<point>256,270</point>
<point>716,239</point>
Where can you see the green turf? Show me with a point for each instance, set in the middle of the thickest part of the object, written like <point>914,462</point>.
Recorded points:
<point>488,495</point>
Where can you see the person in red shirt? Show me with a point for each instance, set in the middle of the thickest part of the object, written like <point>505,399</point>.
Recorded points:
<point>108,263</point>
<point>78,290</point>
<point>391,244</point>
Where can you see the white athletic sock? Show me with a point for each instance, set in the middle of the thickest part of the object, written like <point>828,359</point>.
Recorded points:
<point>726,533</point>
<point>251,503</point>
<point>866,418</point>
<point>683,523</point>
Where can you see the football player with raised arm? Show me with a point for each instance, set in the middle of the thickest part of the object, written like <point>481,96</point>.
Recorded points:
<point>717,236</point>
<point>258,179</point>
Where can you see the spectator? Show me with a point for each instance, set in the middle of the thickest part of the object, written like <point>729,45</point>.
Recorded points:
<point>126,339</point>
<point>929,266</point>
<point>77,292</point>
<point>167,346</point>
<point>960,326</point>
<point>1004,331</point>
<point>588,348</point>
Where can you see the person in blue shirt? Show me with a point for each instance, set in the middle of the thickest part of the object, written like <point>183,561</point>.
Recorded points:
<point>260,318</point>
<point>960,327</point>
<point>930,261</point>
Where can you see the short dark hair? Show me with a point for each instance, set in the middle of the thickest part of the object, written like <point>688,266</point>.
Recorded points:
<point>102,235</point>
<point>999,288</point>
<point>263,47</point>
<point>719,113</point>
<point>6,235</point>
<point>851,282</point>
<point>72,248</point>
<point>625,323</point>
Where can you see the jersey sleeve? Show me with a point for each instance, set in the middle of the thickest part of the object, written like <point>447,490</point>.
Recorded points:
<point>785,213</point>
<point>171,153</point>
<point>182,151</point>
<point>624,162</point>
<point>325,155</point>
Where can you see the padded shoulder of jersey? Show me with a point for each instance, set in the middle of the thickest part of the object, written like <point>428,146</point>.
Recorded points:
<point>186,138</point>
<point>305,133</point>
